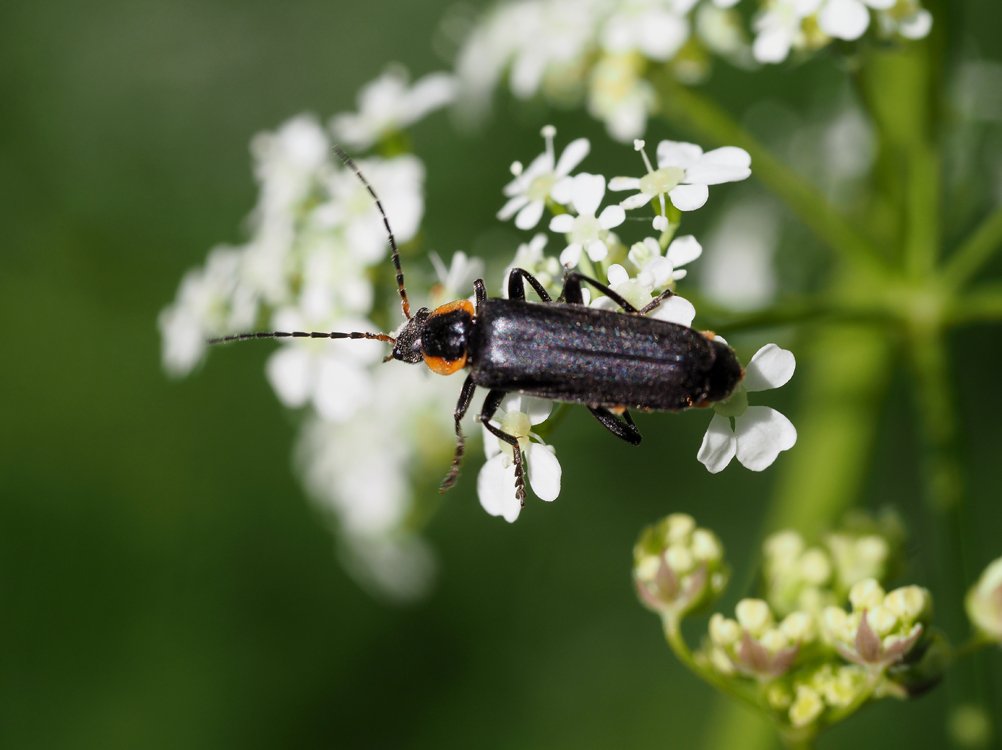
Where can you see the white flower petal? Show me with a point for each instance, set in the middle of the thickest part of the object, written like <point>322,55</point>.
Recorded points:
<point>762,434</point>
<point>563,191</point>
<point>916,26</point>
<point>844,19</point>
<point>496,489</point>
<point>563,223</point>
<point>635,201</point>
<point>719,445</point>
<point>727,164</point>
<point>675,309</point>
<point>772,45</point>
<point>678,154</point>
<point>537,409</point>
<point>290,374</point>
<point>587,193</point>
<point>529,216</point>
<point>771,367</point>
<point>544,471</point>
<point>624,183</point>
<point>684,249</point>
<point>573,154</point>
<point>617,275</point>
<point>571,255</point>
<point>512,207</point>
<point>689,197</point>
<point>611,216</point>
<point>597,250</point>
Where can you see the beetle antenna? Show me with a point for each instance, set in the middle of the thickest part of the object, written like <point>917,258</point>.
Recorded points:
<point>304,335</point>
<point>405,304</point>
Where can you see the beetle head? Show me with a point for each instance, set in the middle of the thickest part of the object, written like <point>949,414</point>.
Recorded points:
<point>724,374</point>
<point>408,345</point>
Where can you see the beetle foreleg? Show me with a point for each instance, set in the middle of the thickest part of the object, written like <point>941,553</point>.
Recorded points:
<point>480,292</point>
<point>465,397</point>
<point>622,427</point>
<point>516,289</point>
<point>572,291</point>
<point>491,404</point>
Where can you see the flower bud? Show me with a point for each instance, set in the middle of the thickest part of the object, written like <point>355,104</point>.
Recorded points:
<point>984,602</point>
<point>677,566</point>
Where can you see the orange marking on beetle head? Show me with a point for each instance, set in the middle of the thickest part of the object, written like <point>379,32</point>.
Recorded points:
<point>459,304</point>
<point>442,366</point>
<point>709,334</point>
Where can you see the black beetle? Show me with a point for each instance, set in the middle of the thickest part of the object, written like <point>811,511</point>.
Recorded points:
<point>561,350</point>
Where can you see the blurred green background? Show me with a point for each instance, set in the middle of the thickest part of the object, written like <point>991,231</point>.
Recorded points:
<point>165,583</point>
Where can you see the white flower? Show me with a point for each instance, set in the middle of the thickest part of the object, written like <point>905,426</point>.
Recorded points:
<point>456,281</point>
<point>737,269</point>
<point>984,602</point>
<point>907,18</point>
<point>675,309</point>
<point>620,96</point>
<point>683,175</point>
<point>546,269</point>
<point>333,376</point>
<point>755,434</point>
<point>211,301</point>
<point>645,26</point>
<point>657,271</point>
<point>586,231</point>
<point>388,104</point>
<point>528,192</point>
<point>350,208</point>
<point>780,27</point>
<point>496,481</point>
<point>849,19</point>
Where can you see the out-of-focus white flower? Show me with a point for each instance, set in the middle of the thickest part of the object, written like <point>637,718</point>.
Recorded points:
<point>780,28</point>
<point>333,376</point>
<point>496,481</point>
<point>350,209</point>
<point>755,434</point>
<point>287,164</point>
<point>651,27</point>
<point>620,96</point>
<point>211,301</point>
<point>737,268</point>
<point>456,281</point>
<point>683,175</point>
<point>849,19</point>
<point>984,602</point>
<point>533,185</point>
<point>389,104</point>
<point>545,268</point>
<point>586,231</point>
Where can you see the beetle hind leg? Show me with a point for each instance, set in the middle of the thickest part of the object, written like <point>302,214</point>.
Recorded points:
<point>622,426</point>
<point>465,396</point>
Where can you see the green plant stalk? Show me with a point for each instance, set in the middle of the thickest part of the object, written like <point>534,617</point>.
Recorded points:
<point>974,253</point>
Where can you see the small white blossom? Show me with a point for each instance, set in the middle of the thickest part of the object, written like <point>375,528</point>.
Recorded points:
<point>683,175</point>
<point>650,27</point>
<point>350,209</point>
<point>389,104</point>
<point>586,231</point>
<point>755,434</point>
<point>546,269</point>
<point>456,281</point>
<point>533,185</point>
<point>211,301</point>
<point>620,96</point>
<point>780,28</point>
<point>496,480</point>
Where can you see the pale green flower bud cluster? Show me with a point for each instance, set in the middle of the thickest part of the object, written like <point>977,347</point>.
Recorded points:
<point>678,566</point>
<point>824,640</point>
<point>798,576</point>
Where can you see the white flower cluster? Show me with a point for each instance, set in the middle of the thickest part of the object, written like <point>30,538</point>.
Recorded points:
<point>603,52</point>
<point>640,272</point>
<point>316,240</point>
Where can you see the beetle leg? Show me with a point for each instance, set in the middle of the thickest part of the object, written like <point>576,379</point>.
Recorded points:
<point>572,291</point>
<point>480,292</point>
<point>516,289</point>
<point>622,427</point>
<point>491,404</point>
<point>465,397</point>
<point>655,303</point>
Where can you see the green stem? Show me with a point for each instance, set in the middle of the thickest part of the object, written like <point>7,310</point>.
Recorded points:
<point>683,105</point>
<point>975,252</point>
<point>980,305</point>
